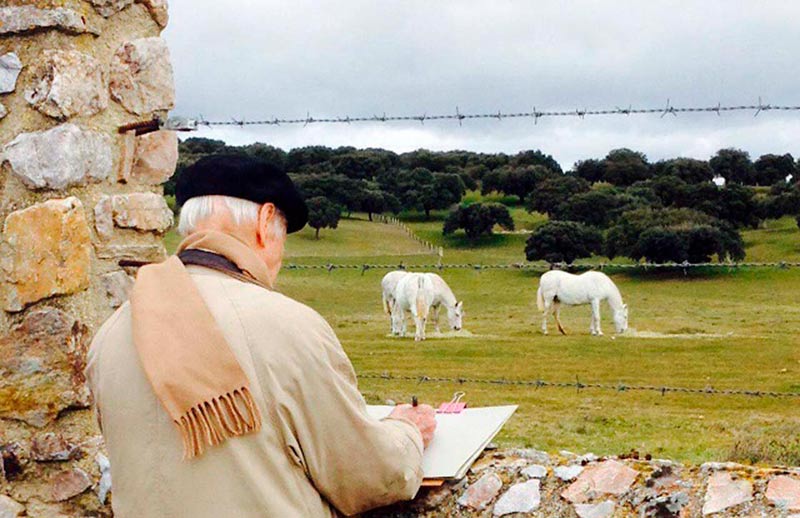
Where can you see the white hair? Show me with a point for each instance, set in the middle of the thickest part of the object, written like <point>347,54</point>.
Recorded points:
<point>242,211</point>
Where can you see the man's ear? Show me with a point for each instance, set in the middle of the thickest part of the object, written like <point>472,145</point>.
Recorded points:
<point>265,214</point>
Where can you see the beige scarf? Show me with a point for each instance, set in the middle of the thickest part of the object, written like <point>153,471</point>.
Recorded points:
<point>184,353</point>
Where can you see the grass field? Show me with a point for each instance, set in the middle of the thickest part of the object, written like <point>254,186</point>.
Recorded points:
<point>726,329</point>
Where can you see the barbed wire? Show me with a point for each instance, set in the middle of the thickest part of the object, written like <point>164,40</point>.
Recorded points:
<point>578,385</point>
<point>534,114</point>
<point>364,267</point>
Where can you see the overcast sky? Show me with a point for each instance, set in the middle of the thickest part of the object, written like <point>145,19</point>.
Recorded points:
<point>262,59</point>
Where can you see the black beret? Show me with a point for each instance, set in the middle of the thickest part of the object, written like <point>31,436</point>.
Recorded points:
<point>243,177</point>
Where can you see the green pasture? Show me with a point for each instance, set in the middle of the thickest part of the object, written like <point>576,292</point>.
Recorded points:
<point>714,328</point>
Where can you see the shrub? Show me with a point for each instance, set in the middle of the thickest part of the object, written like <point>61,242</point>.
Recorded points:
<point>625,167</point>
<point>689,170</point>
<point>563,241</point>
<point>322,213</point>
<point>552,192</point>
<point>519,182</point>
<point>770,169</point>
<point>734,165</point>
<point>673,235</point>
<point>593,208</point>
<point>661,245</point>
<point>478,219</point>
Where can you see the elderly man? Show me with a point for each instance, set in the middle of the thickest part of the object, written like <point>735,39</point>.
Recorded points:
<point>219,397</point>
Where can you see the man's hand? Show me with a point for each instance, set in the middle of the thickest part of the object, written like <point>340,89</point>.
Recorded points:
<point>423,416</point>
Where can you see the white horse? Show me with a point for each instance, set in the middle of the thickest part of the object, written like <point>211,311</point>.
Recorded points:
<point>388,286</point>
<point>557,287</point>
<point>444,296</point>
<point>414,293</point>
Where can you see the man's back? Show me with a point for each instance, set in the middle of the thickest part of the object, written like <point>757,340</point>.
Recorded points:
<point>317,449</point>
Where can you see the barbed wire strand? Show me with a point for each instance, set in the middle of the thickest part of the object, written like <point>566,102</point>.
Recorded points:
<point>578,385</point>
<point>534,114</point>
<point>364,267</point>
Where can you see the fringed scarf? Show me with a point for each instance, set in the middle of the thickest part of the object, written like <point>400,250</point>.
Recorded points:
<point>185,356</point>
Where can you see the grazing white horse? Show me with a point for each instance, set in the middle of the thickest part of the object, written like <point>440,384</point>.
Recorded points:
<point>388,286</point>
<point>444,296</point>
<point>557,287</point>
<point>414,293</point>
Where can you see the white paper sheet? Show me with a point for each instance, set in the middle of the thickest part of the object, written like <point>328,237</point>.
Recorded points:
<point>459,438</point>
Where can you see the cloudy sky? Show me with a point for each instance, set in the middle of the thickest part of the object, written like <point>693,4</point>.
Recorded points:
<point>256,59</point>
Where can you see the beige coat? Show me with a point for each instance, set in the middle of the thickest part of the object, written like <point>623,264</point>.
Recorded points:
<point>317,453</point>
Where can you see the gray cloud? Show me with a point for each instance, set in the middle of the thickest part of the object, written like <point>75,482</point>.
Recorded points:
<point>264,59</point>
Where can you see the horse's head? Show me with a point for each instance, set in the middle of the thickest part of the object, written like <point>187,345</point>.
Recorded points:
<point>621,319</point>
<point>456,315</point>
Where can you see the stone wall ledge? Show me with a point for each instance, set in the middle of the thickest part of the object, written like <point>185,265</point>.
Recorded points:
<point>528,482</point>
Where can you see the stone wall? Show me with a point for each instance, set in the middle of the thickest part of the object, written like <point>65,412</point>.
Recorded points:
<point>532,483</point>
<point>76,196</point>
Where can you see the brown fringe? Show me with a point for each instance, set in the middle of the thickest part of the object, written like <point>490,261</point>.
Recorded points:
<point>212,422</point>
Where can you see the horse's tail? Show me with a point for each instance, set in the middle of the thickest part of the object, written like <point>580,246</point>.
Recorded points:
<point>385,304</point>
<point>422,303</point>
<point>539,299</point>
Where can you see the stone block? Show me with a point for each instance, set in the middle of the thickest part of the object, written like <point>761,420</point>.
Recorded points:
<point>150,253</point>
<point>567,473</point>
<point>535,471</point>
<point>118,287</point>
<point>46,252</point>
<point>108,8</point>
<point>603,509</point>
<point>104,484</point>
<point>607,478</point>
<point>141,77</point>
<point>156,157</point>
<point>158,10</point>
<point>41,367</point>
<point>58,158</point>
<point>52,447</point>
<point>26,18</point>
<point>104,218</point>
<point>480,494</point>
<point>10,67</point>
<point>127,154</point>
<point>520,498</point>
<point>784,493</point>
<point>3,111</point>
<point>142,211</point>
<point>724,492</point>
<point>10,508</point>
<point>68,484</point>
<point>67,83</point>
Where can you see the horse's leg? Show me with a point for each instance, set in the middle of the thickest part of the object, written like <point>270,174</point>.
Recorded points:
<point>401,331</point>
<point>419,322</point>
<point>545,314</point>
<point>596,316</point>
<point>435,318</point>
<point>557,310</point>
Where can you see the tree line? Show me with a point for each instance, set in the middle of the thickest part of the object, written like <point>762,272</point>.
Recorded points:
<point>678,210</point>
